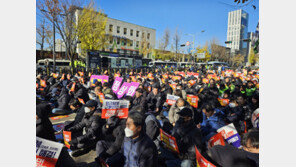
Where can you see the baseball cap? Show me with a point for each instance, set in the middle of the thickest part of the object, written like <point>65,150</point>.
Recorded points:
<point>185,112</point>
<point>91,103</point>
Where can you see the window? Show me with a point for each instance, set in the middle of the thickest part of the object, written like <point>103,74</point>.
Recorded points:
<point>143,35</point>
<point>111,40</point>
<point>131,31</point>
<point>111,28</point>
<point>124,42</point>
<point>137,34</point>
<point>148,45</point>
<point>118,29</point>
<point>131,43</point>
<point>137,44</point>
<point>118,41</point>
<point>124,31</point>
<point>148,35</point>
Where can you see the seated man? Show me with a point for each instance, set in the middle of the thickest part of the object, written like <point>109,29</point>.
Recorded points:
<point>91,124</point>
<point>228,155</point>
<point>213,119</point>
<point>187,136</point>
<point>62,101</point>
<point>139,103</point>
<point>113,135</point>
<point>138,149</point>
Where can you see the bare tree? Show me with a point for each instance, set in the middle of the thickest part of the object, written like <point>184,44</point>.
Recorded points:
<point>176,43</point>
<point>62,14</point>
<point>166,39</point>
<point>42,32</point>
<point>218,51</point>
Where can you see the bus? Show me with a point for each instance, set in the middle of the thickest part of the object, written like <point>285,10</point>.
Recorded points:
<point>159,63</point>
<point>184,64</point>
<point>217,63</point>
<point>59,63</point>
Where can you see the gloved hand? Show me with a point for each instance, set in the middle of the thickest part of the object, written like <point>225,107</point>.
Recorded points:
<point>104,155</point>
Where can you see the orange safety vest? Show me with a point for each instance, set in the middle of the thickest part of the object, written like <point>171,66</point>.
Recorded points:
<point>73,87</point>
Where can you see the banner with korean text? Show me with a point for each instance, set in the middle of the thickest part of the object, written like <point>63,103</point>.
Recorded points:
<point>47,152</point>
<point>115,107</point>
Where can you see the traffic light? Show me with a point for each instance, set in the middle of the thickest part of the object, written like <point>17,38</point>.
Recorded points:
<point>228,42</point>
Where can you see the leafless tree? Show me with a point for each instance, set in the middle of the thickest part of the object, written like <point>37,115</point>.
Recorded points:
<point>62,14</point>
<point>176,43</point>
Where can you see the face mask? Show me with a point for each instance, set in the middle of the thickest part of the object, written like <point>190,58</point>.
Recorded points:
<point>86,110</point>
<point>128,132</point>
<point>232,105</point>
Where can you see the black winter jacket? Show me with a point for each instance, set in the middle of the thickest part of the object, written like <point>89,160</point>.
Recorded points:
<point>44,127</point>
<point>93,127</point>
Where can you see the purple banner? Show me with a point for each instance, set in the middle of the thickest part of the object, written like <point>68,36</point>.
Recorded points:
<point>234,140</point>
<point>116,84</point>
<point>124,87</point>
<point>132,90</point>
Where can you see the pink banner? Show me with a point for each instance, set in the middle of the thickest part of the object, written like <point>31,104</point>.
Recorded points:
<point>116,84</point>
<point>105,78</point>
<point>95,77</point>
<point>124,87</point>
<point>132,89</point>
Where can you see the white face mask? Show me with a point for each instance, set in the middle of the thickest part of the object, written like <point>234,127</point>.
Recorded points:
<point>86,110</point>
<point>128,132</point>
<point>232,105</point>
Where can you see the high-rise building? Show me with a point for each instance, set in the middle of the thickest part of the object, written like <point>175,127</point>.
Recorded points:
<point>237,31</point>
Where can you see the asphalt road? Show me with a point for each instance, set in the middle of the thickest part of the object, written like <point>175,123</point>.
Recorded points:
<point>85,160</point>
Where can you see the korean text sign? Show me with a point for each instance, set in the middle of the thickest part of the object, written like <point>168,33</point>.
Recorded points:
<point>47,152</point>
<point>116,84</point>
<point>67,138</point>
<point>230,134</point>
<point>132,89</point>
<point>123,89</point>
<point>192,100</point>
<point>169,141</point>
<point>115,107</point>
<point>171,99</point>
<point>201,161</point>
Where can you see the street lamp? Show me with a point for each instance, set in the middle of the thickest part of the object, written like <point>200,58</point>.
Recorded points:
<point>53,22</point>
<point>193,35</point>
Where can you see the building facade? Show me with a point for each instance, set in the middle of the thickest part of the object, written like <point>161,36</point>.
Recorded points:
<point>237,31</point>
<point>127,38</point>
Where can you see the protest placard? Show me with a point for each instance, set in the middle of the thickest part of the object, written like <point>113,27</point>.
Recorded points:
<point>115,107</point>
<point>47,152</point>
<point>223,102</point>
<point>192,82</point>
<point>132,89</point>
<point>217,139</point>
<point>173,86</point>
<point>42,83</point>
<point>230,134</point>
<point>67,138</point>
<point>201,161</point>
<point>192,100</point>
<point>81,101</point>
<point>73,87</point>
<point>101,97</point>
<point>123,89</point>
<point>169,141</point>
<point>171,99</point>
<point>116,84</point>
